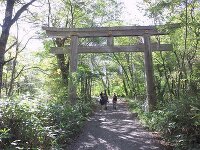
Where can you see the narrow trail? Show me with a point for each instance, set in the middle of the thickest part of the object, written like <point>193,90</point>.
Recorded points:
<point>114,130</point>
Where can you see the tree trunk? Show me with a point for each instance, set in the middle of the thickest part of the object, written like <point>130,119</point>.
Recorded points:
<point>7,23</point>
<point>63,63</point>
<point>10,91</point>
<point>64,67</point>
<point>2,52</point>
<point>4,36</point>
<point>125,88</point>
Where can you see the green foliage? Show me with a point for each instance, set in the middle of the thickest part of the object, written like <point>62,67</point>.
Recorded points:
<point>178,121</point>
<point>176,75</point>
<point>29,123</point>
<point>86,13</point>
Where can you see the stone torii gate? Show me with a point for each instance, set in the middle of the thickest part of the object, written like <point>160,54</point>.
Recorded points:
<point>74,48</point>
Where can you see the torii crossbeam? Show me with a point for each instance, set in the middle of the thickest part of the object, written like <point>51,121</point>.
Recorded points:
<point>103,31</point>
<point>74,48</point>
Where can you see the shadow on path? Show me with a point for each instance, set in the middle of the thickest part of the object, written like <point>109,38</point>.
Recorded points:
<point>114,130</point>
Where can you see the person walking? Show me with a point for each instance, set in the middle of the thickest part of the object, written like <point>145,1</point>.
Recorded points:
<point>105,97</point>
<point>102,101</point>
<point>114,101</point>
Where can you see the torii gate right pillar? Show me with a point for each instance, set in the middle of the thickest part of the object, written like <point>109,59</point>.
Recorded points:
<point>73,68</point>
<point>150,85</point>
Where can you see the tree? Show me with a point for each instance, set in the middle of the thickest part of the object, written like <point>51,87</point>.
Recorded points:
<point>9,19</point>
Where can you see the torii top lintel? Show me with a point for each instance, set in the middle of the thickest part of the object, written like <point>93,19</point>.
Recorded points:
<point>103,31</point>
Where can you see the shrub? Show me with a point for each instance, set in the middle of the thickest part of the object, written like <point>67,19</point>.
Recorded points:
<point>29,123</point>
<point>178,121</point>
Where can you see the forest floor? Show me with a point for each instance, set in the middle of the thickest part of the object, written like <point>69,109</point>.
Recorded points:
<point>115,130</point>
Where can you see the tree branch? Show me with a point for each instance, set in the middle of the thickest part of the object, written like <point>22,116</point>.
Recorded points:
<point>26,43</point>
<point>43,71</point>
<point>8,60</point>
<point>11,46</point>
<point>22,69</point>
<point>20,11</point>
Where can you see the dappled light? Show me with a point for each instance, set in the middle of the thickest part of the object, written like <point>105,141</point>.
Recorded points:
<point>115,130</point>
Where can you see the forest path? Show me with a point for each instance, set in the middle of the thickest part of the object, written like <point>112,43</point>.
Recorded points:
<point>114,130</point>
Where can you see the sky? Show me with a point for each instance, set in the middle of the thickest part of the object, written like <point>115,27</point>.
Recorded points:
<point>134,15</point>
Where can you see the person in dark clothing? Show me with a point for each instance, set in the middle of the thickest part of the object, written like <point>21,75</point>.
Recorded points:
<point>101,95</point>
<point>114,101</point>
<point>102,101</point>
<point>105,97</point>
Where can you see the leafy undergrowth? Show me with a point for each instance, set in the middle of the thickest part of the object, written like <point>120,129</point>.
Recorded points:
<point>35,124</point>
<point>178,122</point>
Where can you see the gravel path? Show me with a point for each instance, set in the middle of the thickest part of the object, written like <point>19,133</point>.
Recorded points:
<point>114,130</point>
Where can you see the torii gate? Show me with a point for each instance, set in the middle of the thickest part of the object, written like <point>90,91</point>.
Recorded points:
<point>73,49</point>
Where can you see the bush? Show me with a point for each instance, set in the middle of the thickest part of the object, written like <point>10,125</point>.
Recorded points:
<point>27,123</point>
<point>178,121</point>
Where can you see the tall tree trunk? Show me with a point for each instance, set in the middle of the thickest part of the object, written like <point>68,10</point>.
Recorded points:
<point>62,62</point>
<point>126,78</point>
<point>4,36</point>
<point>125,88</point>
<point>7,23</point>
<point>13,73</point>
<point>3,41</point>
<point>64,67</point>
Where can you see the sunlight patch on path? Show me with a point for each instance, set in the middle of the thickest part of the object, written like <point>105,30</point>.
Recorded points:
<point>114,130</point>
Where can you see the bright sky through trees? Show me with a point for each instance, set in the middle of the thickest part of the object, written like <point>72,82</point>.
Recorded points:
<point>134,13</point>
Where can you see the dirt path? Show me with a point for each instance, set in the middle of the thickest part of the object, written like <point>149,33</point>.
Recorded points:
<point>114,130</point>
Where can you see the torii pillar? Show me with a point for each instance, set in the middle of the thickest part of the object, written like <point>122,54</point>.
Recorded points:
<point>73,68</point>
<point>150,85</point>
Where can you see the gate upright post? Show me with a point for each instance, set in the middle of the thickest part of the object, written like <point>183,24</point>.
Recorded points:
<point>150,85</point>
<point>110,41</point>
<point>73,68</point>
